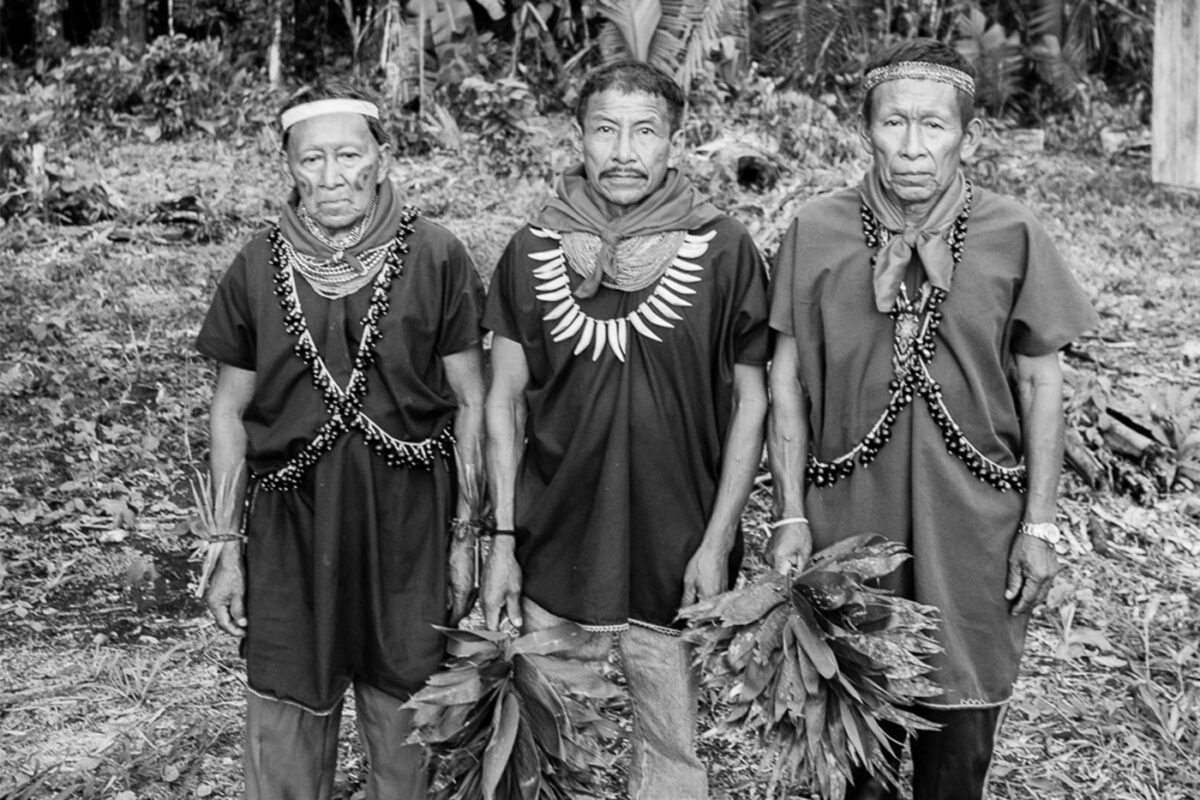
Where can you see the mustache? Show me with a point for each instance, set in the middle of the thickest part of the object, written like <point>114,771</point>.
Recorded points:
<point>617,172</point>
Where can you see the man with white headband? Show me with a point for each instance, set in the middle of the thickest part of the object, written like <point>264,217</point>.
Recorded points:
<point>349,393</point>
<point>917,393</point>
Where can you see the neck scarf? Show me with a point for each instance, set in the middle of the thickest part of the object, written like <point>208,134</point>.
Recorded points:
<point>381,231</point>
<point>675,206</point>
<point>928,239</point>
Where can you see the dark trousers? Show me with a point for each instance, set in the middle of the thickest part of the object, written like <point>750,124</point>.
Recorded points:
<point>291,754</point>
<point>948,764</point>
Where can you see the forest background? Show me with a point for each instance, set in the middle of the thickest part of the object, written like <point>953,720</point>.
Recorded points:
<point>138,150</point>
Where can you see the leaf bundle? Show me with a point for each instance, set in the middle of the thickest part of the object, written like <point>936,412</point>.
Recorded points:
<point>512,721</point>
<point>217,509</point>
<point>818,666</point>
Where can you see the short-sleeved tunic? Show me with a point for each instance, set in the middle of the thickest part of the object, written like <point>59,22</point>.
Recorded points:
<point>1011,294</point>
<point>623,457</point>
<point>347,571</point>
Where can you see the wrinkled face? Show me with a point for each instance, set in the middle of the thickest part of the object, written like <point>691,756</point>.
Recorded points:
<point>337,166</point>
<point>627,146</point>
<point>917,139</point>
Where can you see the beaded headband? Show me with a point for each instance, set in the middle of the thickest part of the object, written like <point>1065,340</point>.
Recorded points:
<point>921,71</point>
<point>319,108</point>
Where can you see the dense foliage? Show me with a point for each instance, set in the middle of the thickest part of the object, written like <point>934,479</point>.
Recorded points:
<point>819,665</point>
<point>512,719</point>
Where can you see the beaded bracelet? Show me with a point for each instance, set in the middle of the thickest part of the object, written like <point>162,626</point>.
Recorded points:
<point>462,529</point>
<point>779,523</point>
<point>225,537</point>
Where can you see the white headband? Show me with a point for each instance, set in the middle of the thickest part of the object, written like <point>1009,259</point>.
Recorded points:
<point>921,71</point>
<point>319,108</point>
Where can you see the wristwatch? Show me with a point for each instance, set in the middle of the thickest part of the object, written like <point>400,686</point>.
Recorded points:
<point>1048,532</point>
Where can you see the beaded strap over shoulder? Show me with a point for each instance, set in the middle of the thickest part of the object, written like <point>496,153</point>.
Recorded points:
<point>345,404</point>
<point>914,345</point>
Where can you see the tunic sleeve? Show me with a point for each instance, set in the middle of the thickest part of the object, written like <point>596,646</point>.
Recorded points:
<point>507,303</point>
<point>462,302</point>
<point>228,333</point>
<point>1051,308</point>
<point>751,334</point>
<point>782,279</point>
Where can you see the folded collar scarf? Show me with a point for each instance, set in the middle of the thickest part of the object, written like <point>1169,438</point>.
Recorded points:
<point>928,239</point>
<point>380,232</point>
<point>675,206</point>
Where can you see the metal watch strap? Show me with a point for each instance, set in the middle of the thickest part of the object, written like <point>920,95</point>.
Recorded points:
<point>1046,531</point>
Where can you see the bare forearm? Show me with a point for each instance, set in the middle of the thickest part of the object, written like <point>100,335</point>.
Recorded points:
<point>787,450</point>
<point>787,432</point>
<point>1041,397</point>
<point>464,372</point>
<point>743,452</point>
<point>506,436</point>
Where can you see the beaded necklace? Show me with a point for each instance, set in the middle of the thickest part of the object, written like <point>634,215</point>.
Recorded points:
<point>914,343</point>
<point>345,404</point>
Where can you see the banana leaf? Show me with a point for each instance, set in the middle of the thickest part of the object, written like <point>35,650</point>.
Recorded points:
<point>815,663</point>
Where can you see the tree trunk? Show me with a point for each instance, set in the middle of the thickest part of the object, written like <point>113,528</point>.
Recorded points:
<point>275,50</point>
<point>1176,118</point>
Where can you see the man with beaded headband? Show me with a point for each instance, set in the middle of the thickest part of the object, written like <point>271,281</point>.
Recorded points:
<point>626,411</point>
<point>350,392</point>
<point>916,392</point>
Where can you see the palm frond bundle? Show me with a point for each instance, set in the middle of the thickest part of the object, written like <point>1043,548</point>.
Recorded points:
<point>819,665</point>
<point>511,721</point>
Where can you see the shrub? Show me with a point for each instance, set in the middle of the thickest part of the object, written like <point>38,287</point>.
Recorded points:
<point>504,117</point>
<point>182,80</point>
<point>97,82</point>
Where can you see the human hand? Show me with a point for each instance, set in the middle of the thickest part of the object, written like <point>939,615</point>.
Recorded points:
<point>706,575</point>
<point>461,589</point>
<point>226,593</point>
<point>1031,564</point>
<point>790,546</point>
<point>501,584</point>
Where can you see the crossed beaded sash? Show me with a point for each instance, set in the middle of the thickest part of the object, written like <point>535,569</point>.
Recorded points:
<point>345,403</point>
<point>914,344</point>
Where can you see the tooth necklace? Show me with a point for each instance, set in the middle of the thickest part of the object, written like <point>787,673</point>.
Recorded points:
<point>654,315</point>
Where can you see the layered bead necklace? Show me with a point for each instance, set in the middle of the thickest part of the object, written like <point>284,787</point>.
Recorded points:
<point>336,277</point>
<point>345,404</point>
<point>915,323</point>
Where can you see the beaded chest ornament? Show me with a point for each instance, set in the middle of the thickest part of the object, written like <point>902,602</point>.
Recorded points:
<point>915,323</point>
<point>345,404</point>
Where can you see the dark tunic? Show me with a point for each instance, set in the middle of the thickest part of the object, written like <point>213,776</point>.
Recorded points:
<point>1011,294</point>
<point>622,460</point>
<point>347,572</point>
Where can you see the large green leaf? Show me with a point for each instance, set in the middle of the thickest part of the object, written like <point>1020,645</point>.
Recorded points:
<point>575,677</point>
<point>505,722</point>
<point>550,640</point>
<point>637,21</point>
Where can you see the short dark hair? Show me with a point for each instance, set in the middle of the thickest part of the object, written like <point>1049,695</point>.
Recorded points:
<point>336,90</point>
<point>631,76</point>
<point>930,51</point>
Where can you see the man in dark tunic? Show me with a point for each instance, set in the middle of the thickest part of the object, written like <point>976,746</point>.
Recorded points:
<point>626,411</point>
<point>348,342</point>
<point>917,393</point>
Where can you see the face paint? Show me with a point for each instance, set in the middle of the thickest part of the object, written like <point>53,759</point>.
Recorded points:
<point>337,166</point>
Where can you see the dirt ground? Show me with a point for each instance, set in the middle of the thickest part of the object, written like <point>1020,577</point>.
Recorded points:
<point>115,684</point>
